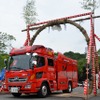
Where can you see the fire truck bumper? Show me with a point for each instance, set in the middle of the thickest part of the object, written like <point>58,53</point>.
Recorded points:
<point>21,88</point>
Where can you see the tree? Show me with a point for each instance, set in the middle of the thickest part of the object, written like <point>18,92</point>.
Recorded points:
<point>99,55</point>
<point>29,12</point>
<point>81,59</point>
<point>2,57</point>
<point>76,56</point>
<point>5,41</point>
<point>99,52</point>
<point>90,4</point>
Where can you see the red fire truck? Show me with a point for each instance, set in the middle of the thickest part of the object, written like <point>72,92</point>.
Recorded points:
<point>37,69</point>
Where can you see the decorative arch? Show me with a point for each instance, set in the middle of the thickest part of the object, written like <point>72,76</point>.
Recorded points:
<point>58,22</point>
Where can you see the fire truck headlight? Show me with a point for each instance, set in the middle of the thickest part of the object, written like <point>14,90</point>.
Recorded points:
<point>4,86</point>
<point>28,86</point>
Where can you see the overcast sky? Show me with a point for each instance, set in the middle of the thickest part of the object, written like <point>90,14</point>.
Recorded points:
<point>69,39</point>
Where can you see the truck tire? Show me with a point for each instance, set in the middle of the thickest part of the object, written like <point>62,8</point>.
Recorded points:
<point>69,90</point>
<point>43,92</point>
<point>16,94</point>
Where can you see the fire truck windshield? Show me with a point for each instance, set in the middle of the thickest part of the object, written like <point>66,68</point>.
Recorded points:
<point>19,62</point>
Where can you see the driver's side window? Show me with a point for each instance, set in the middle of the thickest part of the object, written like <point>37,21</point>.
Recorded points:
<point>40,61</point>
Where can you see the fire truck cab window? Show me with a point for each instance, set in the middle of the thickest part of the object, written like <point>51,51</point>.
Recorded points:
<point>40,61</point>
<point>50,62</point>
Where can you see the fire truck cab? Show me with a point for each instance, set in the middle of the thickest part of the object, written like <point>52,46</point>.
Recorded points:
<point>36,69</point>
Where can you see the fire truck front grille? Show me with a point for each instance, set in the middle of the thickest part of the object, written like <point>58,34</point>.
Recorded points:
<point>16,79</point>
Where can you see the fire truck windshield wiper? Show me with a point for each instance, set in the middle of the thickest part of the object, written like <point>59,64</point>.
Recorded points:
<point>18,68</point>
<point>21,68</point>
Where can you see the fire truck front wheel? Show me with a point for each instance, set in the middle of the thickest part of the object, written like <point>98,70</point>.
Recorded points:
<point>16,94</point>
<point>43,92</point>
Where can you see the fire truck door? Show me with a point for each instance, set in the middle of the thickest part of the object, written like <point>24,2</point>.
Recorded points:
<point>51,69</point>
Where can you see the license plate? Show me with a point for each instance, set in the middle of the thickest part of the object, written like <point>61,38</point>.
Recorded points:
<point>14,89</point>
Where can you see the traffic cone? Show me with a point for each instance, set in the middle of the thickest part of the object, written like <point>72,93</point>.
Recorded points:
<point>85,87</point>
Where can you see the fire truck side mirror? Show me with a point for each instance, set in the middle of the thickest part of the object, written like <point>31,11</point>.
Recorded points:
<point>34,63</point>
<point>34,58</point>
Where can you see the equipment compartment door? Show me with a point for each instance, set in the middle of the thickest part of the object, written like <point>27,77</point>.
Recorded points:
<point>62,79</point>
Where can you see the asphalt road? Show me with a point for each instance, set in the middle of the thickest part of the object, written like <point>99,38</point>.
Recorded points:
<point>10,97</point>
<point>77,94</point>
